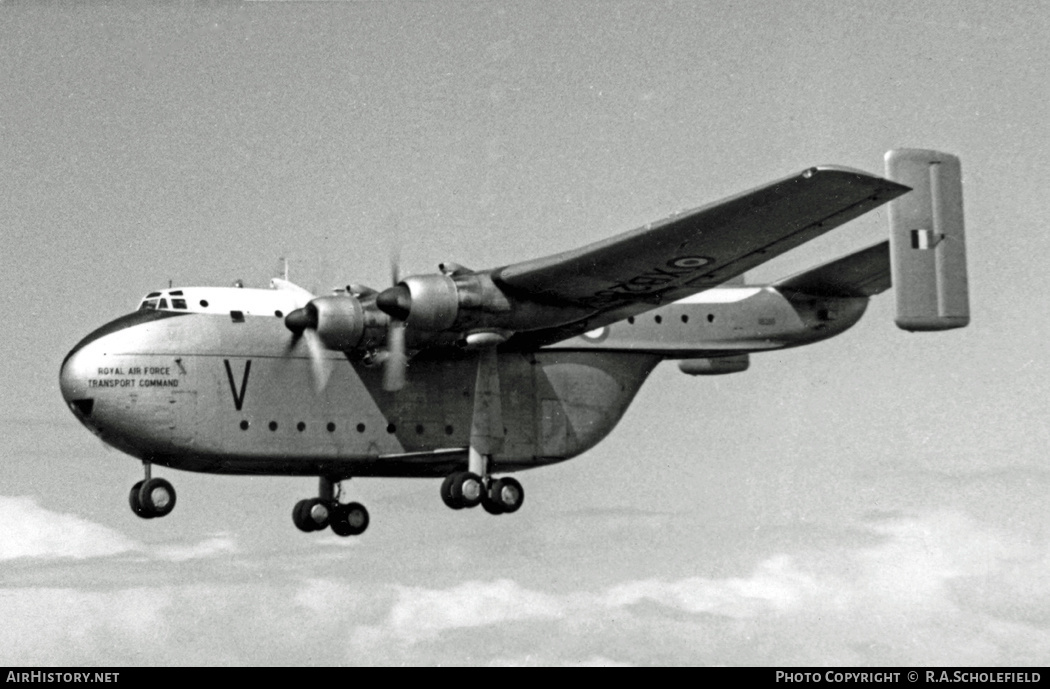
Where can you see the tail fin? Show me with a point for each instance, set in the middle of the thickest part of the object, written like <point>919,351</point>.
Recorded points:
<point>927,242</point>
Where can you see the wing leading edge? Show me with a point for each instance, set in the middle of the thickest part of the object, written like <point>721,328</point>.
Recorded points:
<point>695,250</point>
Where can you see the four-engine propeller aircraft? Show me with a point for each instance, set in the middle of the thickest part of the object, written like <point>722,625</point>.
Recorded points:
<point>466,374</point>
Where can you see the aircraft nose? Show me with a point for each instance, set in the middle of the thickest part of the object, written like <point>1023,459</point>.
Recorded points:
<point>73,381</point>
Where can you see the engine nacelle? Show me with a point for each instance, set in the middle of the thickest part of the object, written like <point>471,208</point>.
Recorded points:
<point>339,321</point>
<point>715,366</point>
<point>434,302</point>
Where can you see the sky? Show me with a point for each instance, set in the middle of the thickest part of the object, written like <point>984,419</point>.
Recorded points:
<point>877,499</point>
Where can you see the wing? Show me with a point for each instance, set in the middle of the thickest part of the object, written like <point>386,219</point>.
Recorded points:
<point>693,251</point>
<point>861,274</point>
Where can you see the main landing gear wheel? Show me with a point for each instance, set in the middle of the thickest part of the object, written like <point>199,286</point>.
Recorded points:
<point>504,496</point>
<point>151,498</point>
<point>316,514</point>
<point>350,519</point>
<point>496,496</point>
<point>462,489</point>
<point>311,515</point>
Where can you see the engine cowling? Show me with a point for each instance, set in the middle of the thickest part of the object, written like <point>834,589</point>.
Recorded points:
<point>339,321</point>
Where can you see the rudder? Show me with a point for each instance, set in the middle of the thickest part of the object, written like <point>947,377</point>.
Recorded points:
<point>927,241</point>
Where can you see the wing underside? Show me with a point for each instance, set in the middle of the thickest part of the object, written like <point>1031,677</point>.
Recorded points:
<point>692,251</point>
<point>864,273</point>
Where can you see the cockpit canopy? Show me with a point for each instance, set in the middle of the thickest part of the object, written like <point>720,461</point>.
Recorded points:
<point>222,300</point>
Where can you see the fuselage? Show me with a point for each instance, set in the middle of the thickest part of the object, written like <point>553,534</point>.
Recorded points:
<point>210,379</point>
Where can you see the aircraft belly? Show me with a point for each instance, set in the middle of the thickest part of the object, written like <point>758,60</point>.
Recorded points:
<point>582,395</point>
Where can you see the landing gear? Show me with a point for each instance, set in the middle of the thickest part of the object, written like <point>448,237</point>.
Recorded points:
<point>151,497</point>
<point>462,489</point>
<point>311,515</point>
<point>350,519</point>
<point>487,435</point>
<point>504,496</point>
<point>495,495</point>
<point>316,514</point>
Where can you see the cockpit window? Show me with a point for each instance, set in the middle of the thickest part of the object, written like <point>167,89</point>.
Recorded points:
<point>163,304</point>
<point>152,294</point>
<point>148,305</point>
<point>178,303</point>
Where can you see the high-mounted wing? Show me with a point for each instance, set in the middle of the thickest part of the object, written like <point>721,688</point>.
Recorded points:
<point>695,250</point>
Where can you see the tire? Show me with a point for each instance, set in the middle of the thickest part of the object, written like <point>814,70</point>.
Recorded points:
<point>356,517</point>
<point>467,489</point>
<point>311,517</point>
<point>489,503</point>
<point>157,497</point>
<point>446,493</point>
<point>133,500</point>
<point>349,520</point>
<point>508,493</point>
<point>299,516</point>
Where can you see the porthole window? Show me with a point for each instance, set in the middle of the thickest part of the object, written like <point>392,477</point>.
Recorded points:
<point>449,430</point>
<point>630,319</point>
<point>204,303</point>
<point>391,428</point>
<point>278,313</point>
<point>710,318</point>
<point>330,427</point>
<point>360,428</point>
<point>273,425</point>
<point>244,425</point>
<point>685,319</point>
<point>419,430</point>
<point>659,319</point>
<point>300,426</point>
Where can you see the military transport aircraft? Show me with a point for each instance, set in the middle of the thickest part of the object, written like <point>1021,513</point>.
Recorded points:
<point>465,374</point>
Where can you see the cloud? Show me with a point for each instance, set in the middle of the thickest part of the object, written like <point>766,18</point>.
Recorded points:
<point>423,613</point>
<point>31,531</point>
<point>938,587</point>
<point>212,546</point>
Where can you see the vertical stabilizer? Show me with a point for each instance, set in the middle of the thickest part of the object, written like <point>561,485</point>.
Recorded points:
<point>927,242</point>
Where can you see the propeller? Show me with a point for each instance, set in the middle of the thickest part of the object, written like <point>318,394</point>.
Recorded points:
<point>396,302</point>
<point>302,322</point>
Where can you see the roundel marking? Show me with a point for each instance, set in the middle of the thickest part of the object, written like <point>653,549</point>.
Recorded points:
<point>596,335</point>
<point>689,262</point>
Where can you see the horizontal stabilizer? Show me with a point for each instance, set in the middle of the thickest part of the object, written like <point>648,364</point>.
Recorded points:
<point>861,274</point>
<point>927,242</point>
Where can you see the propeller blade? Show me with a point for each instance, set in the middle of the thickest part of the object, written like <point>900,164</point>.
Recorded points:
<point>396,360</point>
<point>319,364</point>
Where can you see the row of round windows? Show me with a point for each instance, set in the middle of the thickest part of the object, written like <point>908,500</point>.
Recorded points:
<point>685,318</point>
<point>331,427</point>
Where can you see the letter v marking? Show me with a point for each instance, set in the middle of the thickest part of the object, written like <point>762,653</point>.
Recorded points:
<point>238,398</point>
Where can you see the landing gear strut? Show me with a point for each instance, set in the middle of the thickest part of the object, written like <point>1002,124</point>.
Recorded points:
<point>151,497</point>
<point>475,486</point>
<point>316,514</point>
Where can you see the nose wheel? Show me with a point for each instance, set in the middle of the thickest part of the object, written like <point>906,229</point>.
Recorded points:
<point>317,514</point>
<point>152,497</point>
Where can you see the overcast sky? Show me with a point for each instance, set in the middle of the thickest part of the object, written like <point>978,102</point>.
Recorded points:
<point>876,499</point>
